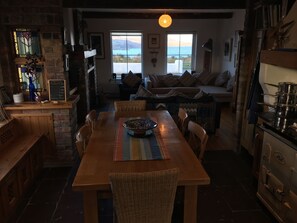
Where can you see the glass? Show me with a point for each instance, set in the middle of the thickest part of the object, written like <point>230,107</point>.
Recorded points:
<point>26,41</point>
<point>179,53</point>
<point>126,52</point>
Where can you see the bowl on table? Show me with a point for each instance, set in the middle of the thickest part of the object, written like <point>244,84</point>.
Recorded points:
<point>140,127</point>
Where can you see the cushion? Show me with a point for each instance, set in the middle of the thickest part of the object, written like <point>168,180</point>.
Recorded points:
<point>156,80</point>
<point>143,92</point>
<point>131,80</point>
<point>230,83</point>
<point>171,81</point>
<point>222,79</point>
<point>187,79</point>
<point>206,77</point>
<point>174,92</point>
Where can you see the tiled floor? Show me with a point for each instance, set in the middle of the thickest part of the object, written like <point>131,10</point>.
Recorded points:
<point>230,197</point>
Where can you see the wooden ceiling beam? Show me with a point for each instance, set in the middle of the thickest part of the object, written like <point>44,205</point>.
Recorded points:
<point>129,15</point>
<point>157,4</point>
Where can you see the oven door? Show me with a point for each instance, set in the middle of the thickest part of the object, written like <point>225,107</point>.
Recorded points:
<point>291,208</point>
<point>271,192</point>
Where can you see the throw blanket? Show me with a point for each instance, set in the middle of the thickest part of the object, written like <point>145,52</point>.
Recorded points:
<point>132,148</point>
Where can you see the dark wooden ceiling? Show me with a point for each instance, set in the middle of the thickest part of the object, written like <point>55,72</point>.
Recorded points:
<point>149,15</point>
<point>156,4</point>
<point>178,9</point>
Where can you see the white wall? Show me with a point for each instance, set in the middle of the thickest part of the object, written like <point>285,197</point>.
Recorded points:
<point>227,31</point>
<point>217,29</point>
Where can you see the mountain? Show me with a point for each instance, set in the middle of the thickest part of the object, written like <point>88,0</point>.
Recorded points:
<point>120,44</point>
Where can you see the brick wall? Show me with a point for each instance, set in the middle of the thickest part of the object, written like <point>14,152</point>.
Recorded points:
<point>44,15</point>
<point>47,17</point>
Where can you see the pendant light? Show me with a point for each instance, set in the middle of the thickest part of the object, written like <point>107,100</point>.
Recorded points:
<point>165,20</point>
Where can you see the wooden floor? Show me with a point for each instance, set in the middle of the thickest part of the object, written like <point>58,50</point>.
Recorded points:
<point>224,137</point>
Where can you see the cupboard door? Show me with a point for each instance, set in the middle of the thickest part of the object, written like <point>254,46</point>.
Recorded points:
<point>10,193</point>
<point>24,174</point>
<point>36,158</point>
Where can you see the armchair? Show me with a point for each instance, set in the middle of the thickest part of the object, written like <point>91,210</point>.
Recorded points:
<point>129,85</point>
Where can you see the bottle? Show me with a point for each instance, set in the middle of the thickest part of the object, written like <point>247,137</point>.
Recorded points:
<point>31,90</point>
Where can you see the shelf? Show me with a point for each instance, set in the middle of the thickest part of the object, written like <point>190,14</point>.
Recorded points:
<point>286,59</point>
<point>89,53</point>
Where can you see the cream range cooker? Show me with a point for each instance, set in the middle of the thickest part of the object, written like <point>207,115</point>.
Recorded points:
<point>277,185</point>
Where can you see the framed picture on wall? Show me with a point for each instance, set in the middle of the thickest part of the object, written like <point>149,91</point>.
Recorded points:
<point>96,41</point>
<point>153,41</point>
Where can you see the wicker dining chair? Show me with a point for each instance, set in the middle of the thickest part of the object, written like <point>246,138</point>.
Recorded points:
<point>182,121</point>
<point>135,105</point>
<point>91,118</point>
<point>144,197</point>
<point>82,139</point>
<point>197,139</point>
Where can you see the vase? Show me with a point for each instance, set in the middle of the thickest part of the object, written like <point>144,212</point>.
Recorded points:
<point>31,90</point>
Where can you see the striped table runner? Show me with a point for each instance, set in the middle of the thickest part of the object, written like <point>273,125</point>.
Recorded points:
<point>132,148</point>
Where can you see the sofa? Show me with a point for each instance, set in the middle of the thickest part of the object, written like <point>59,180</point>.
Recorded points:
<point>219,85</point>
<point>201,108</point>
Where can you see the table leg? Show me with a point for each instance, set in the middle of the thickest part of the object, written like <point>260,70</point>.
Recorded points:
<point>90,207</point>
<point>190,204</point>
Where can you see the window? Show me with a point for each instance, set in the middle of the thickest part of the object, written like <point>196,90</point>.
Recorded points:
<point>126,52</point>
<point>180,52</point>
<point>28,57</point>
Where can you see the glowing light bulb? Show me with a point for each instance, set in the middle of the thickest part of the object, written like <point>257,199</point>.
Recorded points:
<point>165,20</point>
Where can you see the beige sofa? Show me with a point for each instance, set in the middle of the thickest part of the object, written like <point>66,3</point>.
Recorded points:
<point>220,86</point>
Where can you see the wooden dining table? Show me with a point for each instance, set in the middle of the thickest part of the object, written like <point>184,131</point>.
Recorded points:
<point>92,177</point>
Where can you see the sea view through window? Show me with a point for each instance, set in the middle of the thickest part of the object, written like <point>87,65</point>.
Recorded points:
<point>127,53</point>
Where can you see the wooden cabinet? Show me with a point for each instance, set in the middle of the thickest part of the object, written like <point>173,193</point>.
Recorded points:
<point>20,163</point>
<point>287,59</point>
<point>24,174</point>
<point>58,123</point>
<point>10,195</point>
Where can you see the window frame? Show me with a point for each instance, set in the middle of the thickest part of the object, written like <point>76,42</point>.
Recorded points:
<point>119,75</point>
<point>194,49</point>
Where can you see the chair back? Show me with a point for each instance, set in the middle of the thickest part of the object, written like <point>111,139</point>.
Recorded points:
<point>134,105</point>
<point>197,139</point>
<point>182,121</point>
<point>144,197</point>
<point>82,139</point>
<point>91,118</point>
